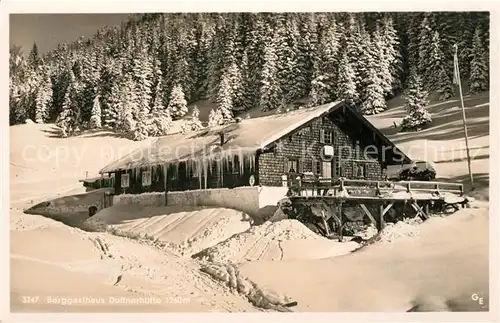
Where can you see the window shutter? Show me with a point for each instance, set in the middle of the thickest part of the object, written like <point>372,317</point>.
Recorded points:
<point>300,166</point>
<point>322,136</point>
<point>285,165</point>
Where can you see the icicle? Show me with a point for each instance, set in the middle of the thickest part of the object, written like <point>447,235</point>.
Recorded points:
<point>220,165</point>
<point>165,169</point>
<point>205,170</point>
<point>241,161</point>
<point>233,157</point>
<point>199,171</point>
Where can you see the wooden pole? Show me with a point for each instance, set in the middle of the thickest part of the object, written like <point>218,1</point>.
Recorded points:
<point>459,83</point>
<point>381,223</point>
<point>341,224</point>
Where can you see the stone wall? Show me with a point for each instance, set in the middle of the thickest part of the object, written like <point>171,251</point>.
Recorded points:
<point>245,199</point>
<point>258,202</point>
<point>149,199</point>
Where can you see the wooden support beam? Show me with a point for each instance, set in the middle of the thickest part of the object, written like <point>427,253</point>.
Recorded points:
<point>419,210</point>
<point>327,229</point>
<point>387,208</point>
<point>333,213</point>
<point>367,212</point>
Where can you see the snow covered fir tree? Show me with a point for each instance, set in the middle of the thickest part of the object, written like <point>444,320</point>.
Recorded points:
<point>139,78</point>
<point>416,101</point>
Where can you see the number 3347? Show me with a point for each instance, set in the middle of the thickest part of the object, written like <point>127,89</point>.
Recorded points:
<point>30,299</point>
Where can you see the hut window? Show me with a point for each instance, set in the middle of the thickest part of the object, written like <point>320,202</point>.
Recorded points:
<point>326,169</point>
<point>337,167</point>
<point>125,180</point>
<point>359,170</point>
<point>146,178</point>
<point>329,137</point>
<point>292,166</point>
<point>326,137</point>
<point>318,167</point>
<point>290,138</point>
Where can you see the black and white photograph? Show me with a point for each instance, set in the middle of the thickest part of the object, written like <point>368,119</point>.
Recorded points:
<point>259,162</point>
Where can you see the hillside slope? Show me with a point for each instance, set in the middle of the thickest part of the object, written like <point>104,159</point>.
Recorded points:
<point>443,142</point>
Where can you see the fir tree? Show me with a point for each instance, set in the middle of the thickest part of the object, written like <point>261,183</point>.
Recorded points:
<point>69,119</point>
<point>195,120</point>
<point>325,68</point>
<point>269,91</point>
<point>478,68</point>
<point>291,66</point>
<point>392,60</point>
<point>346,85</point>
<point>177,106</point>
<point>225,99</point>
<point>373,99</point>
<point>438,75</point>
<point>114,106</point>
<point>215,118</point>
<point>127,124</point>
<point>34,59</point>
<point>244,98</point>
<point>95,119</point>
<point>416,101</point>
<point>43,98</point>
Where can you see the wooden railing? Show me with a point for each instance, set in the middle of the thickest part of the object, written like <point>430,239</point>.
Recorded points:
<point>320,186</point>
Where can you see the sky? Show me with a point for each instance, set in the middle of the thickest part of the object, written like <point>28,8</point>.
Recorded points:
<point>47,30</point>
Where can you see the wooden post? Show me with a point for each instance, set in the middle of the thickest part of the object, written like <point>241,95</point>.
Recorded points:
<point>381,223</point>
<point>378,188</point>
<point>464,122</point>
<point>341,218</point>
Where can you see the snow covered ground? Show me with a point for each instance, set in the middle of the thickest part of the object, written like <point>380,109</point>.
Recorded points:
<point>237,268</point>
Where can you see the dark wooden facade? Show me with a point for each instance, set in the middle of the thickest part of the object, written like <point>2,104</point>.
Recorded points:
<point>302,149</point>
<point>297,152</point>
<point>185,176</point>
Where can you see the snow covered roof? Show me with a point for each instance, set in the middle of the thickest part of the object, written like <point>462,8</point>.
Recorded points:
<point>242,138</point>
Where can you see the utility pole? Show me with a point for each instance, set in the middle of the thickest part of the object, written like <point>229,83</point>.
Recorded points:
<point>456,80</point>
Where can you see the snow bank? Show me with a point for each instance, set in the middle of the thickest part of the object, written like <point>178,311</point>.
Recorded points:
<point>229,275</point>
<point>285,239</point>
<point>185,231</point>
<point>401,229</point>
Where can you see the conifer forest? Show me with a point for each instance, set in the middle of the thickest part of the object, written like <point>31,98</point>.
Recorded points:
<point>138,77</point>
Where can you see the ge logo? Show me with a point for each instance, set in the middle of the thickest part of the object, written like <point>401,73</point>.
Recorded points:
<point>478,299</point>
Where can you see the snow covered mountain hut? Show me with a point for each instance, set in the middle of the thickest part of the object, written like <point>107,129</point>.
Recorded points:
<point>330,141</point>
